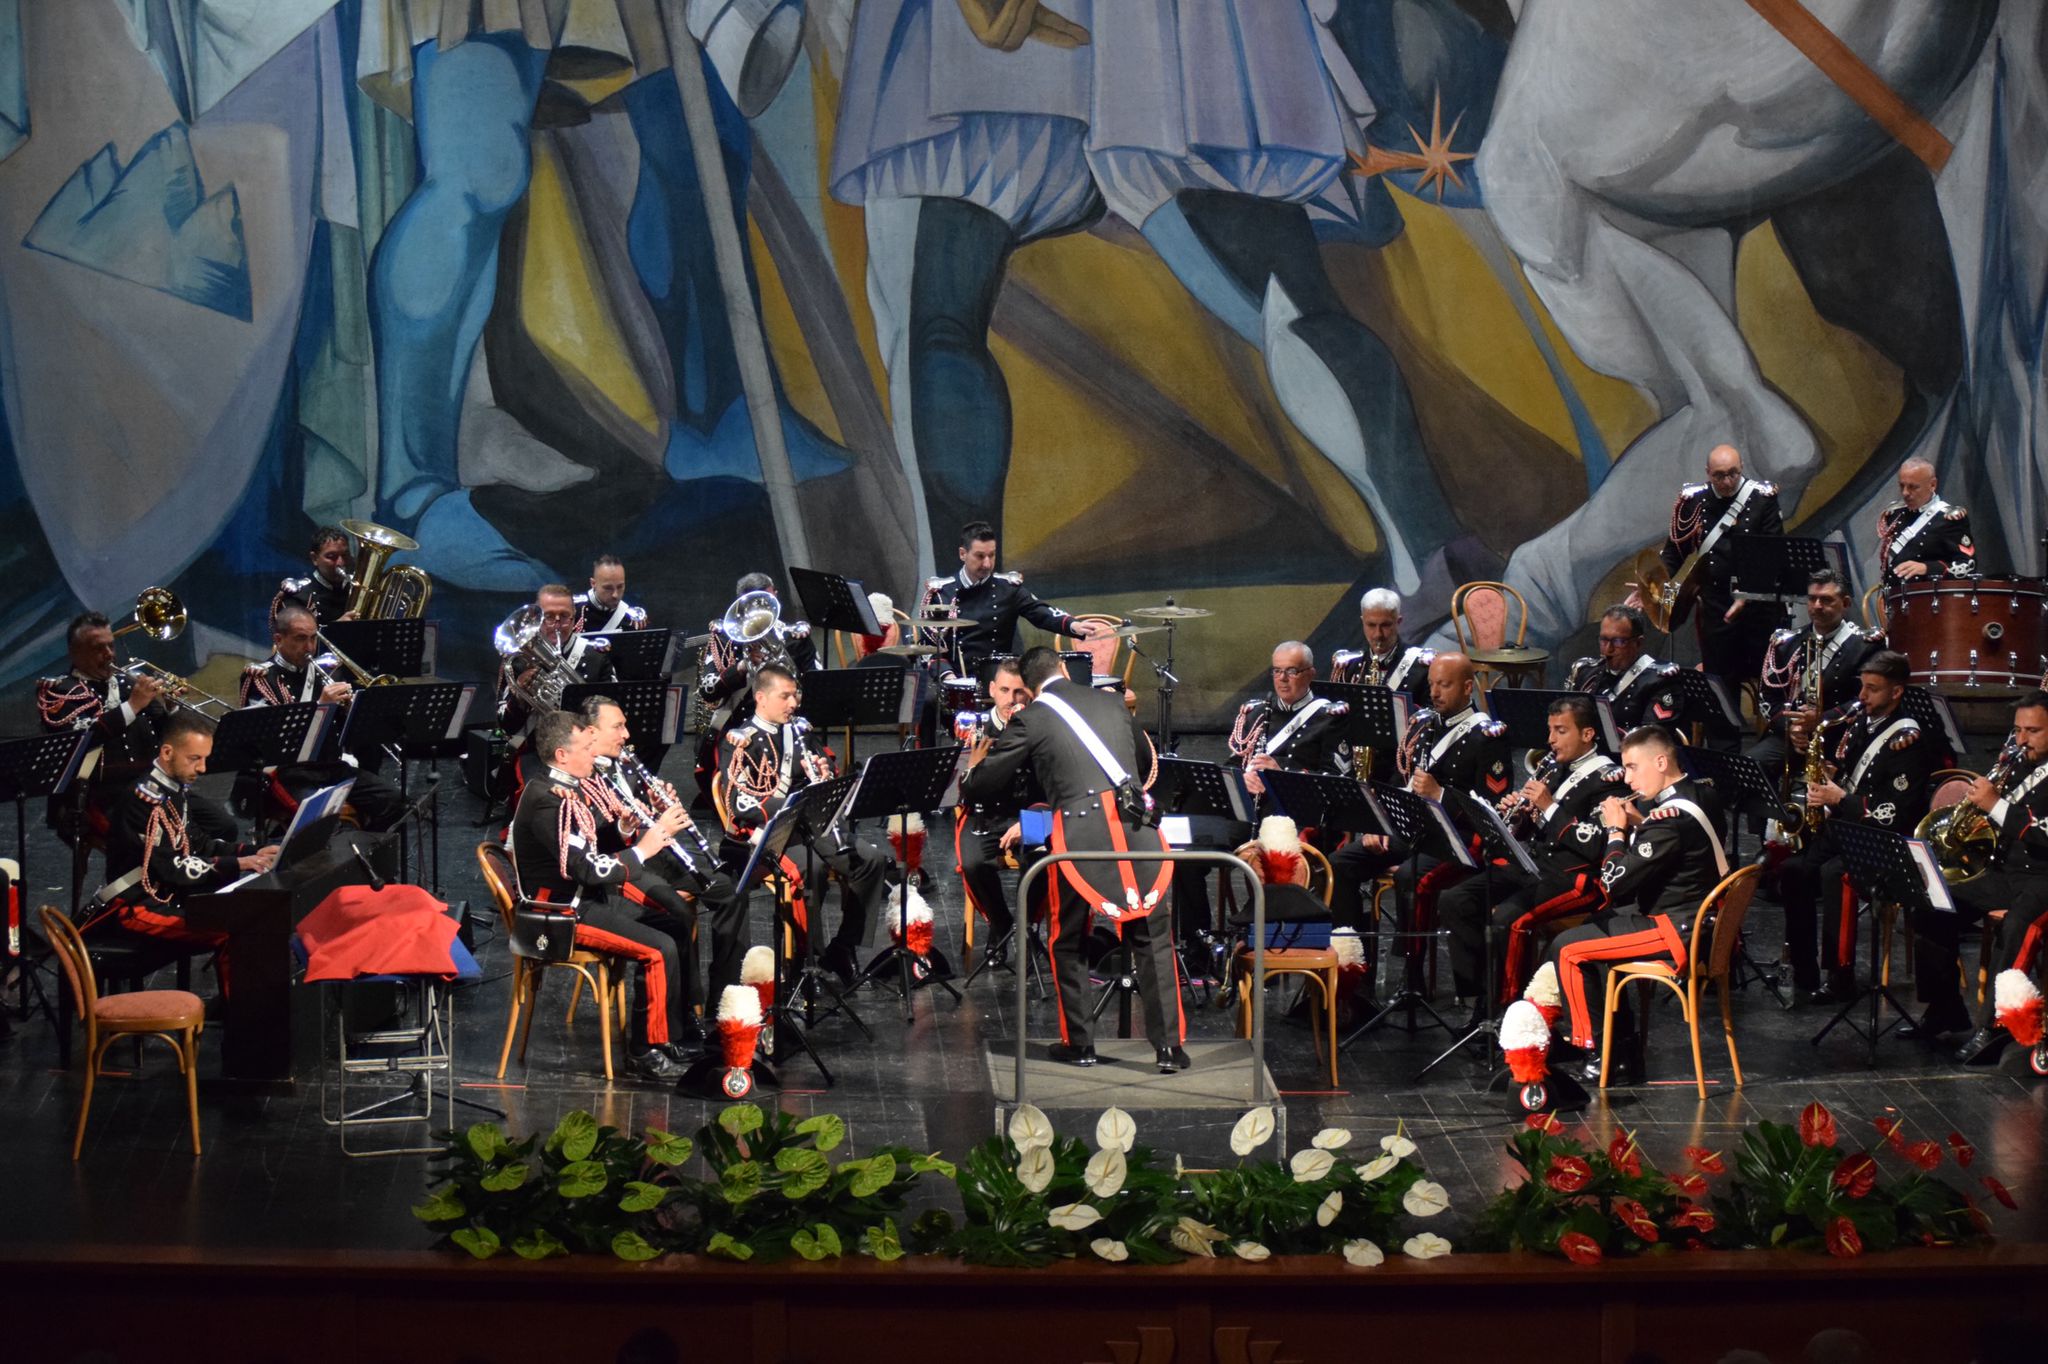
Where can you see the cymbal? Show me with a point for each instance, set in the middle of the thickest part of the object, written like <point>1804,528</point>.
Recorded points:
<point>939,623</point>
<point>1172,612</point>
<point>1132,631</point>
<point>908,650</point>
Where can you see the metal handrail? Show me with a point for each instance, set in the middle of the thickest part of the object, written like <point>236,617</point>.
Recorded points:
<point>1221,859</point>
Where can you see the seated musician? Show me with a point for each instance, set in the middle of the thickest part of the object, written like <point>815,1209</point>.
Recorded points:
<point>681,884</point>
<point>1290,726</point>
<point>602,607</point>
<point>1809,671</point>
<point>989,828</point>
<point>527,690</point>
<point>726,671</point>
<point>765,761</point>
<point>1732,634</point>
<point>293,675</point>
<point>1556,817</point>
<point>156,855</point>
<point>556,855</point>
<point>125,715</point>
<point>2013,798</point>
<point>1920,535</point>
<point>1384,661</point>
<point>1639,689</point>
<point>994,601</point>
<point>1880,763</point>
<point>1656,868</point>
<point>326,590</point>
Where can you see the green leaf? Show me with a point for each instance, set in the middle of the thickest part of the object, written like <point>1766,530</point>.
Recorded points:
<point>828,1239</point>
<point>506,1177</point>
<point>816,1243</point>
<point>924,1165</point>
<point>740,1182</point>
<point>444,1205</point>
<point>881,1241</point>
<point>538,1244</point>
<point>481,1242</point>
<point>575,1136</point>
<point>666,1148</point>
<point>723,1244</point>
<point>641,1196</point>
<point>826,1128</point>
<point>870,1176</point>
<point>581,1179</point>
<point>740,1119</point>
<point>807,1171</point>
<point>631,1245</point>
<point>484,1139</point>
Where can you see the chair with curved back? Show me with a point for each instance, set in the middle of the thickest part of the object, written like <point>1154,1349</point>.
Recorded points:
<point>1317,966</point>
<point>595,969</point>
<point>176,1016</point>
<point>1489,615</point>
<point>1725,907</point>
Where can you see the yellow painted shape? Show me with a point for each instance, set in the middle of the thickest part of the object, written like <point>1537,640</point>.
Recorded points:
<point>794,364</point>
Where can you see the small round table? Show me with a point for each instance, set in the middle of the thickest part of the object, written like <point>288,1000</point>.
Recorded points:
<point>1519,665</point>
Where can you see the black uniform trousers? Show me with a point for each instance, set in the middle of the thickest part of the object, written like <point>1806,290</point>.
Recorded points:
<point>981,871</point>
<point>1150,938</point>
<point>1811,884</point>
<point>1467,917</point>
<point>1937,949</point>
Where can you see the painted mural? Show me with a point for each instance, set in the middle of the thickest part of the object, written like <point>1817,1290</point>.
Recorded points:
<point>1252,303</point>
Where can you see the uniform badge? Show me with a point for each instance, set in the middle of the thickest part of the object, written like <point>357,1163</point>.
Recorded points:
<point>1901,782</point>
<point>1643,848</point>
<point>194,867</point>
<point>1885,813</point>
<point>1610,873</point>
<point>1585,833</point>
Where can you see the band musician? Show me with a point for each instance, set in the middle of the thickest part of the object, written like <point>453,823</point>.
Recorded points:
<point>293,674</point>
<point>994,601</point>
<point>1080,745</point>
<point>775,754</point>
<point>1880,764</point>
<point>726,671</point>
<point>1732,634</point>
<point>327,588</point>
<point>1556,817</point>
<point>526,688</point>
<point>1810,671</point>
<point>1639,688</point>
<point>602,607</point>
<point>1662,854</point>
<point>987,829</point>
<point>557,858</point>
<point>1385,661</point>
<point>1920,535</point>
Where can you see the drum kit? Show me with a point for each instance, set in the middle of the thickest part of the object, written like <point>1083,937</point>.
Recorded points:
<point>1983,637</point>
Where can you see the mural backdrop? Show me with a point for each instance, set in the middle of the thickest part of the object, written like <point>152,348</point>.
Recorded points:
<point>1255,303</point>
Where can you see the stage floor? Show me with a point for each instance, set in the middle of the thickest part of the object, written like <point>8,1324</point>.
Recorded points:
<point>273,1176</point>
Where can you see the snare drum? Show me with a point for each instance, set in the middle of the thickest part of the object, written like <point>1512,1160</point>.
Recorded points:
<point>1983,637</point>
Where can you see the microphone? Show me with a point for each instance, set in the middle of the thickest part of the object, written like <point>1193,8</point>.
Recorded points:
<point>376,881</point>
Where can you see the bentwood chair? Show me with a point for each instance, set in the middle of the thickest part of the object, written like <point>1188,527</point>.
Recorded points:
<point>605,976</point>
<point>1491,622</point>
<point>1723,909</point>
<point>1105,651</point>
<point>1316,966</point>
<point>176,1016</point>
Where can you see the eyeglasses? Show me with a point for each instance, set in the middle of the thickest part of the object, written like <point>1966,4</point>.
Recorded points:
<point>1616,641</point>
<point>1291,673</point>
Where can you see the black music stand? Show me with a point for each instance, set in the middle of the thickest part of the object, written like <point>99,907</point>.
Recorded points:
<point>1186,789</point>
<point>848,698</point>
<point>906,782</point>
<point>1932,711</point>
<point>835,603</point>
<point>407,718</point>
<point>1526,713</point>
<point>1884,865</point>
<point>270,736</point>
<point>1705,698</point>
<point>394,648</point>
<point>651,705</point>
<point>1744,788</point>
<point>637,655</point>
<point>40,765</point>
<point>1774,568</point>
<point>1421,826</point>
<point>1494,835</point>
<point>1370,725</point>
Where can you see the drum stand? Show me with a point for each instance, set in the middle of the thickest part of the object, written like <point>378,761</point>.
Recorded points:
<point>1034,947</point>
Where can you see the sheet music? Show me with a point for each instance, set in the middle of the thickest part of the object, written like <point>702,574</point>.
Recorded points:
<point>1932,881</point>
<point>671,708</point>
<point>456,720</point>
<point>1176,830</point>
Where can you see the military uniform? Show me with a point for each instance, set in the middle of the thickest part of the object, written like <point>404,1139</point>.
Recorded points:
<point>2017,882</point>
<point>590,659</point>
<point>123,747</point>
<point>1937,535</point>
<point>1840,658</point>
<point>1732,650</point>
<point>377,802</point>
<point>1566,842</point>
<point>724,683</point>
<point>1405,670</point>
<point>979,825</point>
<point>157,855</point>
<point>1645,692</point>
<point>327,601</point>
<point>995,605</point>
<point>599,620</point>
<point>1307,736</point>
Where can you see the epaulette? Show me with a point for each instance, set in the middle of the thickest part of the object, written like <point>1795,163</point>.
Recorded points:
<point>1766,487</point>
<point>742,736</point>
<point>1428,655</point>
<point>934,584</point>
<point>1494,728</point>
<point>1958,513</point>
<point>294,586</point>
<point>1245,709</point>
<point>149,791</point>
<point>597,642</point>
<point>1337,709</point>
<point>1871,633</point>
<point>1344,658</point>
<point>1907,736</point>
<point>638,613</point>
<point>1786,635</point>
<point>1686,490</point>
<point>1010,576</point>
<point>799,629</point>
<point>1667,670</point>
<point>1613,774</point>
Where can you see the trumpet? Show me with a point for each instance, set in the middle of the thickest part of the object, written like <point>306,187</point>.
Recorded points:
<point>972,726</point>
<point>178,688</point>
<point>521,640</point>
<point>362,676</point>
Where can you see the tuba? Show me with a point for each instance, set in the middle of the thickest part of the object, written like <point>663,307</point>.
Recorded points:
<point>381,591</point>
<point>1963,837</point>
<point>520,640</point>
<point>754,622</point>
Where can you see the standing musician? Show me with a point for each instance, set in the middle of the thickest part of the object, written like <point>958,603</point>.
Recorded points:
<point>291,675</point>
<point>1556,816</point>
<point>681,885</point>
<point>521,679</point>
<point>988,827</point>
<point>1080,744</point>
<point>1881,764</point>
<point>1640,689</point>
<point>1385,661</point>
<point>557,858</point>
<point>761,764</point>
<point>1810,671</point>
<point>1732,634</point>
<point>1921,536</point>
<point>603,607</point>
<point>2013,797</point>
<point>327,589</point>
<point>1656,869</point>
<point>157,854</point>
<point>994,601</point>
<point>726,672</point>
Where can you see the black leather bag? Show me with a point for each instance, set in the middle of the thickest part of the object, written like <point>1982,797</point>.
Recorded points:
<point>543,932</point>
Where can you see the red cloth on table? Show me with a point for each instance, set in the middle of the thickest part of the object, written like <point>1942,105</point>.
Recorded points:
<point>397,931</point>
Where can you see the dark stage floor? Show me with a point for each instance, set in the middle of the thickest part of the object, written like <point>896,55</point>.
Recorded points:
<point>273,1176</point>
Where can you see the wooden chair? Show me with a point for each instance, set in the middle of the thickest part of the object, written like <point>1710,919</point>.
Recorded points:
<point>1317,966</point>
<point>1725,907</point>
<point>1873,607</point>
<point>607,987</point>
<point>1104,650</point>
<point>1489,616</point>
<point>176,1016</point>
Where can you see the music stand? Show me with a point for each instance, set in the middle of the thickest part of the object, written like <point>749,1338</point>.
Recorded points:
<point>909,781</point>
<point>1890,866</point>
<point>1184,789</point>
<point>1774,568</point>
<point>637,655</point>
<point>835,603</point>
<point>1526,713</point>
<point>1420,825</point>
<point>650,707</point>
<point>1494,834</point>
<point>40,765</point>
<point>1705,698</point>
<point>409,717</point>
<point>270,736</point>
<point>391,648</point>
<point>1932,711</point>
<point>1371,724</point>
<point>847,698</point>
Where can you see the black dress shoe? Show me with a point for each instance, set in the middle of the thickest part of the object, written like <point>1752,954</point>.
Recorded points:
<point>1083,1055</point>
<point>1983,1047</point>
<point>1172,1059</point>
<point>687,1035</point>
<point>655,1064</point>
<point>1625,1073</point>
<point>838,959</point>
<point>1822,998</point>
<point>1939,1019</point>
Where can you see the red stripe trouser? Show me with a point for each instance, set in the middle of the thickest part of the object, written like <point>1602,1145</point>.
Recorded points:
<point>1583,955</point>
<point>167,928</point>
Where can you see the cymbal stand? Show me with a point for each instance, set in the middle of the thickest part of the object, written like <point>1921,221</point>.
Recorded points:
<point>1167,683</point>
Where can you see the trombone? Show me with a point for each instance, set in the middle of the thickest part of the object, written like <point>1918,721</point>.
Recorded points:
<point>363,676</point>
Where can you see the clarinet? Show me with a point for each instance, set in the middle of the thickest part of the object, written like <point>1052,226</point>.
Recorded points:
<point>648,817</point>
<point>664,797</point>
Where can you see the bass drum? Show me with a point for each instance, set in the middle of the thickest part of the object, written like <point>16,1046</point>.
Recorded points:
<point>1987,637</point>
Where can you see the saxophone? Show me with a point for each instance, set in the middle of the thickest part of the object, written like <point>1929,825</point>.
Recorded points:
<point>1797,821</point>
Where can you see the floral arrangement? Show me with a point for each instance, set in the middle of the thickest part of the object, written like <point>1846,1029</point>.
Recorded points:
<point>1586,1202</point>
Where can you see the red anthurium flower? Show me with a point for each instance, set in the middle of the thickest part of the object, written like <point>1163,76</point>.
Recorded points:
<point>1568,1174</point>
<point>1889,1129</point>
<point>1856,1174</point>
<point>1691,1185</point>
<point>1624,1155</point>
<point>1632,1215</point>
<point>1816,1125</point>
<point>1979,1219</point>
<point>1579,1248</point>
<point>1697,1218</point>
<point>1544,1122</point>
<point>1705,1161</point>
<point>1843,1239</point>
<point>1925,1154</point>
<point>1965,1152</point>
<point>2000,1192</point>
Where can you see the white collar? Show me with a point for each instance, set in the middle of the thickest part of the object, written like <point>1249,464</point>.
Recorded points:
<point>165,779</point>
<point>1288,709</point>
<point>765,725</point>
<point>966,581</point>
<point>563,777</point>
<point>1456,716</point>
<point>277,660</point>
<point>1668,793</point>
<point>321,578</point>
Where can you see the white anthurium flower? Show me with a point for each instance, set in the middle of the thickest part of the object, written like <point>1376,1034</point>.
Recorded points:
<point>1397,1146</point>
<point>1105,1172</point>
<point>1253,1130</point>
<point>1114,1129</point>
<point>1376,1167</point>
<point>1425,1199</point>
<point>1251,1250</point>
<point>1331,1139</point>
<point>1073,1217</point>
<point>1425,1245</point>
<point>1364,1254</point>
<point>1111,1249</point>
<point>1030,1127</point>
<point>1035,1170</point>
<point>1310,1165</point>
<point>1194,1238</point>
<point>1327,1210</point>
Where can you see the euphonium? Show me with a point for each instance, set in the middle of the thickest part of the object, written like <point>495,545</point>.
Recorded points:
<point>754,621</point>
<point>522,641</point>
<point>1962,836</point>
<point>382,592</point>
